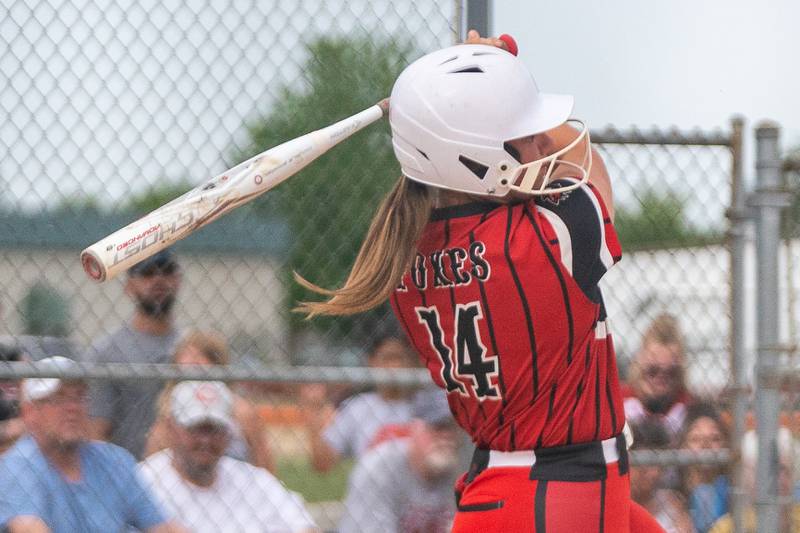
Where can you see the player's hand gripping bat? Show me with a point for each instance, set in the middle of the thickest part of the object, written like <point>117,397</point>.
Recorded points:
<point>175,220</point>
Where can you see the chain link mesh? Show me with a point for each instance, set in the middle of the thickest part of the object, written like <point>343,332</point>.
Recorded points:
<point>114,107</point>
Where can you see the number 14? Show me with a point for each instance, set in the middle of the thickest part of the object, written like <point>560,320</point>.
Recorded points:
<point>472,367</point>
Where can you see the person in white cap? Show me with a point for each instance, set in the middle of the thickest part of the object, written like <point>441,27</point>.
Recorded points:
<point>207,491</point>
<point>54,479</point>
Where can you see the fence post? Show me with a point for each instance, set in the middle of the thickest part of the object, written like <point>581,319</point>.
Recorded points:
<point>739,218</point>
<point>767,201</point>
<point>477,17</point>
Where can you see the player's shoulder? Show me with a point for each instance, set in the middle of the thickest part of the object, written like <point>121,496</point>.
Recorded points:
<point>584,195</point>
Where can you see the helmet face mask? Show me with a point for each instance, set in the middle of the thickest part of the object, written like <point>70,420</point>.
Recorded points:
<point>452,112</point>
<point>534,178</point>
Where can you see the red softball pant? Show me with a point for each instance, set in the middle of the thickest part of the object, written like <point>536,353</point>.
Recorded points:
<point>506,499</point>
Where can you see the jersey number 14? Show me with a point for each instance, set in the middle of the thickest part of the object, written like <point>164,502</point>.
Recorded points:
<point>471,367</point>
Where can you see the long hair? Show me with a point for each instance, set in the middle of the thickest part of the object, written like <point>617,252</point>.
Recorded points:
<point>385,255</point>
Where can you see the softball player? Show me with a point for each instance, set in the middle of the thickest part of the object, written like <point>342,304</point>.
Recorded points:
<point>491,247</point>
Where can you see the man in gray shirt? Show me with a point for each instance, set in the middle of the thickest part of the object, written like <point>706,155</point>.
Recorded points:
<point>124,410</point>
<point>405,485</point>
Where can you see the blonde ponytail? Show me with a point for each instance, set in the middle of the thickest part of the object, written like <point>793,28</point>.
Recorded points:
<point>385,255</point>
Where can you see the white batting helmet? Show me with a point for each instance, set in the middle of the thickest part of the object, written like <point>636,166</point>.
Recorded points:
<point>453,110</point>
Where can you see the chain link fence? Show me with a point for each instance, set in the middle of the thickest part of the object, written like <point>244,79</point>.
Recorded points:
<point>113,108</point>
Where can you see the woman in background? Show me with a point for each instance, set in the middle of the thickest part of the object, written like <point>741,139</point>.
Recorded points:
<point>248,440</point>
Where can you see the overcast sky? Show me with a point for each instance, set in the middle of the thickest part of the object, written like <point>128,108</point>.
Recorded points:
<point>683,62</point>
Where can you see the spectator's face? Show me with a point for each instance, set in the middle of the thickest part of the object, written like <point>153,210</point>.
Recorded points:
<point>154,292</point>
<point>705,434</point>
<point>61,419</point>
<point>198,448</point>
<point>392,354</point>
<point>9,389</point>
<point>191,355</point>
<point>660,370</point>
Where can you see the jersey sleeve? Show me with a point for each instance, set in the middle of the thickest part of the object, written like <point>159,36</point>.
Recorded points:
<point>586,237</point>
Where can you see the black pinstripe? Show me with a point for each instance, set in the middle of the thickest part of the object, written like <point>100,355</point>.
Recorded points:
<point>540,506</point>
<point>455,348</point>
<point>490,325</point>
<point>561,281</point>
<point>524,302</point>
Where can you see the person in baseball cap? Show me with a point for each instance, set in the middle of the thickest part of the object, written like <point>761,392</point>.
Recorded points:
<point>201,420</point>
<point>205,490</point>
<point>194,403</point>
<point>45,469</point>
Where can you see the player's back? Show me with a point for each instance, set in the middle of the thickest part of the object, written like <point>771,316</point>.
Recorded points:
<point>503,305</point>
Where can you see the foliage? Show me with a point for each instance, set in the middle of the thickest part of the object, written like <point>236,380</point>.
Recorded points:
<point>155,196</point>
<point>657,221</point>
<point>330,203</point>
<point>44,311</point>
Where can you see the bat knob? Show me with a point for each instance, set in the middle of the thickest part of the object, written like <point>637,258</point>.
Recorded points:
<point>511,44</point>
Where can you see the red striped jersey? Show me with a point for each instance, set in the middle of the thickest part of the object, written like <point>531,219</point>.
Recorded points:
<point>503,305</point>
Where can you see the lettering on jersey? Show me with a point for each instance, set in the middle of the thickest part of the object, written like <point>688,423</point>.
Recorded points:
<point>457,257</point>
<point>418,277</point>
<point>437,263</point>
<point>480,267</point>
<point>401,287</point>
<point>450,267</point>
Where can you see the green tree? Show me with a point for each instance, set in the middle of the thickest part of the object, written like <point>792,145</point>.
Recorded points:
<point>330,203</point>
<point>658,221</point>
<point>155,196</point>
<point>44,311</point>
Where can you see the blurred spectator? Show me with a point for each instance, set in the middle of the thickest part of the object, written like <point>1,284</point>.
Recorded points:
<point>706,487</point>
<point>248,440</point>
<point>11,425</point>
<point>665,505</point>
<point>365,419</point>
<point>55,480</point>
<point>203,489</point>
<point>124,410</point>
<point>656,387</point>
<point>788,453</point>
<point>405,485</point>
